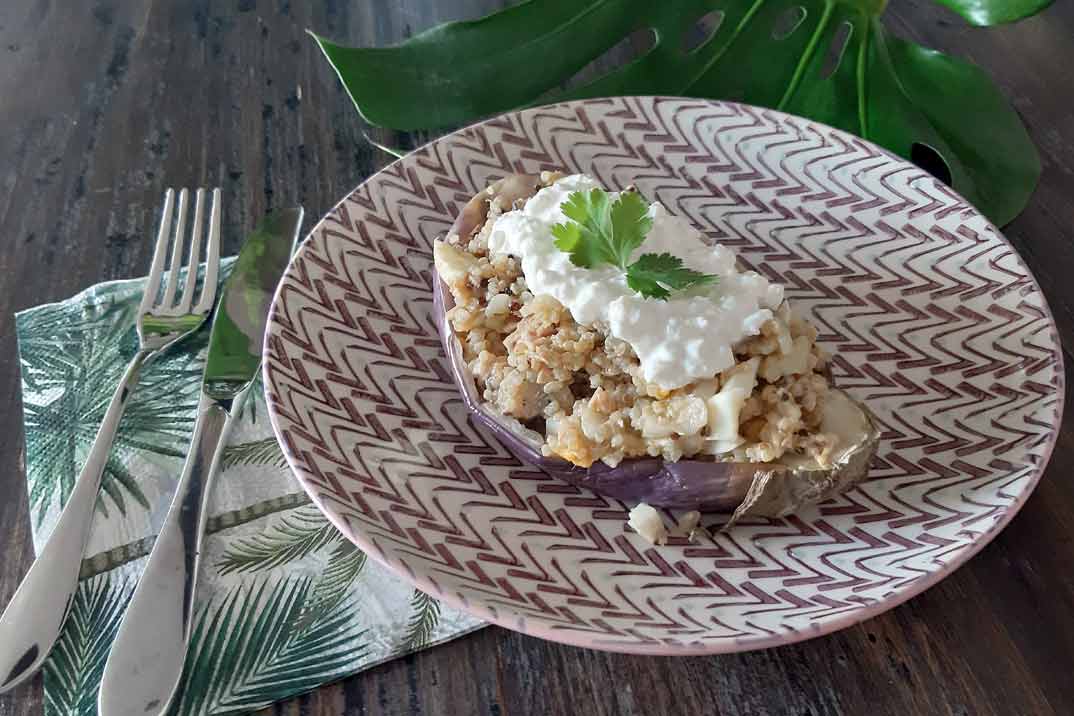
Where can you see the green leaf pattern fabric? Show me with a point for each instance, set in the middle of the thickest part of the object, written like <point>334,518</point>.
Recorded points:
<point>286,602</point>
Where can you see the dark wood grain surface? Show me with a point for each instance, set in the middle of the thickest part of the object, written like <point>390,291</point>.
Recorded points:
<point>104,103</point>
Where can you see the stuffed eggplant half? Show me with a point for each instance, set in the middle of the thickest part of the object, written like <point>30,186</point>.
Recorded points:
<point>605,341</point>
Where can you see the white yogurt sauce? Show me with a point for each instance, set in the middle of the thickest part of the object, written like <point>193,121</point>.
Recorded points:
<point>680,340</point>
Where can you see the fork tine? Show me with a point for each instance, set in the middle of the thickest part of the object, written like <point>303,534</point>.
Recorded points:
<point>152,286</point>
<point>177,251</point>
<point>187,298</point>
<point>212,258</point>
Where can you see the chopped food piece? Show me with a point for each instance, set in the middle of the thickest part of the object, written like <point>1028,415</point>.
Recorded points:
<point>646,521</point>
<point>688,525</point>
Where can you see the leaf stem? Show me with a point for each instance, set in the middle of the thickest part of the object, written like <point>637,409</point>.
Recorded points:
<point>118,556</point>
<point>397,153</point>
<point>863,60</point>
<point>807,54</point>
<point>717,55</point>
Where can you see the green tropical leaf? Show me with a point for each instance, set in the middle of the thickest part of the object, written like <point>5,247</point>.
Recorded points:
<point>51,344</point>
<point>120,482</point>
<point>257,452</point>
<point>995,12</point>
<point>247,649</point>
<point>75,666</point>
<point>345,563</point>
<point>425,614</point>
<point>829,60</point>
<point>134,550</point>
<point>299,533</point>
<point>73,354</point>
<point>248,411</point>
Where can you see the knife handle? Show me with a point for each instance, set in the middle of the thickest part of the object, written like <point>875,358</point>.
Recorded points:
<point>33,620</point>
<point>145,665</point>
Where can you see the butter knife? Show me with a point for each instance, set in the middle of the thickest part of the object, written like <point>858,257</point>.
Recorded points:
<point>145,665</point>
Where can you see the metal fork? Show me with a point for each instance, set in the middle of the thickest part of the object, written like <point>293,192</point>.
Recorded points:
<point>33,620</point>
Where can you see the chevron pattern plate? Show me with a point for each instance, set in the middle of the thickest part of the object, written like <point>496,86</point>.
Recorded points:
<point>932,317</point>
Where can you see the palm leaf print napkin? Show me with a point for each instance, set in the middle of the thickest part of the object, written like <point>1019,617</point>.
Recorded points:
<point>286,603</point>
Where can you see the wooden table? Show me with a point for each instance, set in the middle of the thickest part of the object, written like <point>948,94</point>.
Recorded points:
<point>104,103</point>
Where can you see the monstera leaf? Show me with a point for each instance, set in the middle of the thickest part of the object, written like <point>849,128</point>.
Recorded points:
<point>829,60</point>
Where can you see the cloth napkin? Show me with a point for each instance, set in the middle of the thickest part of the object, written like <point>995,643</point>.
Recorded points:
<point>285,602</point>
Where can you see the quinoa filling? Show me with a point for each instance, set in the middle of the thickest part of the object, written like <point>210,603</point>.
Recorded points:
<point>583,389</point>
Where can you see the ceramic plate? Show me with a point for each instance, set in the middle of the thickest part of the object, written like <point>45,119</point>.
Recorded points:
<point>932,318</point>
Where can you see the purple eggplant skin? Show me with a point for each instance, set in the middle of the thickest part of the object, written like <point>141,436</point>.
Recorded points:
<point>703,484</point>
<point>689,484</point>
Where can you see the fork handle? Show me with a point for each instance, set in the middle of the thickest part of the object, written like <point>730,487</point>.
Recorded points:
<point>33,620</point>
<point>143,670</point>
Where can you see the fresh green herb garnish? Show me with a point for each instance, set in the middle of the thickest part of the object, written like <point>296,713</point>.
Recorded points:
<point>605,232</point>
<point>654,274</point>
<point>602,232</point>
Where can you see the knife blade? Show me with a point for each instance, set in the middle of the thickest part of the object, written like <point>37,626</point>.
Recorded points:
<point>144,668</point>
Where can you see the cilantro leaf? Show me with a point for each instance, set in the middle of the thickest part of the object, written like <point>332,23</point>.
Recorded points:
<point>602,231</point>
<point>588,238</point>
<point>630,224</point>
<point>657,275</point>
<point>568,236</point>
